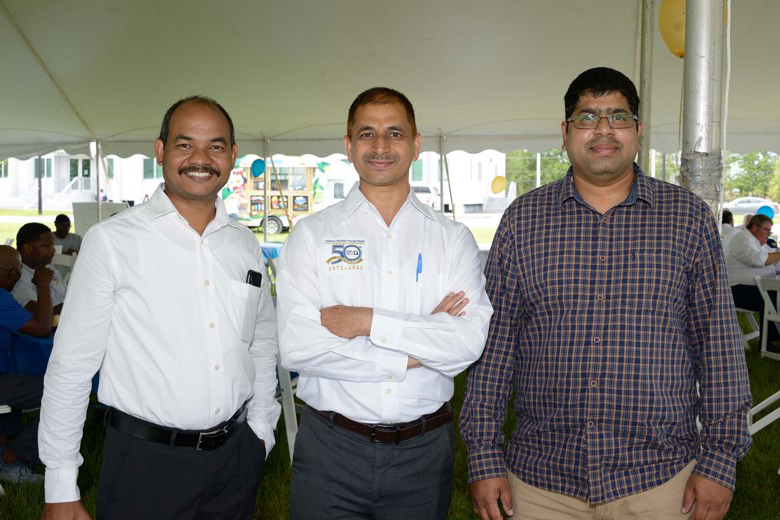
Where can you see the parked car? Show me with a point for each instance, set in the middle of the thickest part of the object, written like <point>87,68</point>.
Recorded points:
<point>745,205</point>
<point>428,195</point>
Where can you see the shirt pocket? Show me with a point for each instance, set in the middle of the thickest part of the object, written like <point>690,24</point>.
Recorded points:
<point>244,301</point>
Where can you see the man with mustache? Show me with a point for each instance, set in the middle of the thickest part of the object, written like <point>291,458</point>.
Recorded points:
<point>381,304</point>
<point>615,325</point>
<point>165,301</point>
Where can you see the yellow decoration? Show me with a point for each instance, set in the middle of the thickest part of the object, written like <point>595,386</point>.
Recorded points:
<point>671,24</point>
<point>499,184</point>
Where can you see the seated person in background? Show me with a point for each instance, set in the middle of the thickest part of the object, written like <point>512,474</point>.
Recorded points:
<point>20,391</point>
<point>35,244</point>
<point>727,226</point>
<point>747,256</point>
<point>70,242</point>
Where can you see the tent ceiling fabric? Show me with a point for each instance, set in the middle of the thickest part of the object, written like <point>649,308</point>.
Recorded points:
<point>486,75</point>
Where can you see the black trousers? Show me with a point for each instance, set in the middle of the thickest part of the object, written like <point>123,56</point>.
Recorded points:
<point>338,474</point>
<point>142,479</point>
<point>20,391</point>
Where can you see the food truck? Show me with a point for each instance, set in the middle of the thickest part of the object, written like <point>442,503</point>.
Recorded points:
<point>290,191</point>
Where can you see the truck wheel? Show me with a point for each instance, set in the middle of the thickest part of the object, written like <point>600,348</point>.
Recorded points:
<point>273,226</point>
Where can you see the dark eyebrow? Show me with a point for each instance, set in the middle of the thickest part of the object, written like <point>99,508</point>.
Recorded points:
<point>364,128</point>
<point>184,137</point>
<point>618,110</point>
<point>396,128</point>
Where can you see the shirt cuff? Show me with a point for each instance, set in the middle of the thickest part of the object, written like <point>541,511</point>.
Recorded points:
<point>387,329</point>
<point>486,463</point>
<point>60,485</point>
<point>265,432</point>
<point>717,467</point>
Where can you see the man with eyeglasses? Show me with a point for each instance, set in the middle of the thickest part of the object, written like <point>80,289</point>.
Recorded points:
<point>607,318</point>
<point>747,256</point>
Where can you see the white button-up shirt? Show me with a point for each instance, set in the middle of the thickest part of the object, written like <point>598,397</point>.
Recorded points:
<point>165,314</point>
<point>347,255</point>
<point>745,257</point>
<point>25,291</point>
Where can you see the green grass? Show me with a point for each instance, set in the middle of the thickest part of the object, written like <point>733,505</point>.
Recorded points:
<point>758,485</point>
<point>483,235</point>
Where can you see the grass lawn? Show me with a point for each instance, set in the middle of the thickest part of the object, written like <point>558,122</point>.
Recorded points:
<point>758,484</point>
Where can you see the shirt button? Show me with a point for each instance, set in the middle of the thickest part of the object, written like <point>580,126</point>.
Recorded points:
<point>216,367</point>
<point>591,424</point>
<point>390,236</point>
<point>207,283</point>
<point>384,340</point>
<point>388,391</point>
<point>389,378</point>
<point>596,339</point>
<point>604,220</point>
<point>600,297</point>
<point>216,411</point>
<point>593,382</point>
<point>211,325</point>
<point>602,258</point>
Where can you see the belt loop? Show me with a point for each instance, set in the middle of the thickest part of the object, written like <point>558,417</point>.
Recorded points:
<point>422,425</point>
<point>172,442</point>
<point>331,418</point>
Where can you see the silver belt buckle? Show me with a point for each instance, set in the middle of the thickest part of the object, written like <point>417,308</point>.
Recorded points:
<point>205,437</point>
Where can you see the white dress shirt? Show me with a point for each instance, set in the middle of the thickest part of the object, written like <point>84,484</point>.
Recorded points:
<point>26,291</point>
<point>347,255</point>
<point>745,258</point>
<point>165,314</point>
<point>727,231</point>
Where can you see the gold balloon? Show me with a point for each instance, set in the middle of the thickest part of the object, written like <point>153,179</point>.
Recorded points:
<point>499,184</point>
<point>671,24</point>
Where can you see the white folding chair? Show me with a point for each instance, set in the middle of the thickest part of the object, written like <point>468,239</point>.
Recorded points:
<point>4,408</point>
<point>9,241</point>
<point>64,264</point>
<point>754,331</point>
<point>770,312</point>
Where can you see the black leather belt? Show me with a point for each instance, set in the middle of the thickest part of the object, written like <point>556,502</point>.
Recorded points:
<point>386,433</point>
<point>200,440</point>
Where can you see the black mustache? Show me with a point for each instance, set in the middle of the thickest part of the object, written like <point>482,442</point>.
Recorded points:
<point>199,169</point>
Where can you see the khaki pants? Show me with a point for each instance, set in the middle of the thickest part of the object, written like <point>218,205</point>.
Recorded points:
<point>662,503</point>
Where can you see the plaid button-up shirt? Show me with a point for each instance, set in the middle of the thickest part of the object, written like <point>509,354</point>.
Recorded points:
<point>604,324</point>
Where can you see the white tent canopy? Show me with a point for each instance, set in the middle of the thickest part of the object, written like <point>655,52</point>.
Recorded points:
<point>485,75</point>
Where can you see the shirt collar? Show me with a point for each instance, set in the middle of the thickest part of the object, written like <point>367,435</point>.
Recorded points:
<point>160,205</point>
<point>355,199</point>
<point>641,189</point>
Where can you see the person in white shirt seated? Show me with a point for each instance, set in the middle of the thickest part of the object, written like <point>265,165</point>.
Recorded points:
<point>35,244</point>
<point>747,256</point>
<point>727,226</point>
<point>70,242</point>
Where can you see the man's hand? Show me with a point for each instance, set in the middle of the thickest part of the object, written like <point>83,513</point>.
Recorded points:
<point>485,495</point>
<point>65,511</point>
<point>347,322</point>
<point>42,276</point>
<point>712,499</point>
<point>452,304</point>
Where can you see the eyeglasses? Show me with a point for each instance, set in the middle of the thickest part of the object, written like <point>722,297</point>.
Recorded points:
<point>587,121</point>
<point>768,230</point>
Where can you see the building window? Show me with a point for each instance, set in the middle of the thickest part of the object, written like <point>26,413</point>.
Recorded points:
<point>3,169</point>
<point>46,167</point>
<point>74,168</point>
<point>417,170</point>
<point>148,169</point>
<point>158,172</point>
<point>110,167</point>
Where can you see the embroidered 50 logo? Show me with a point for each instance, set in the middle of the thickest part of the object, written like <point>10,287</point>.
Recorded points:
<point>348,253</point>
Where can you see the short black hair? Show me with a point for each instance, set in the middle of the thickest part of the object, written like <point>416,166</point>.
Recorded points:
<point>61,218</point>
<point>727,217</point>
<point>598,82</point>
<point>198,99</point>
<point>381,96</point>
<point>30,232</point>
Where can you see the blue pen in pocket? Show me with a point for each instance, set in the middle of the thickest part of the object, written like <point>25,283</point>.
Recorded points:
<point>419,267</point>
